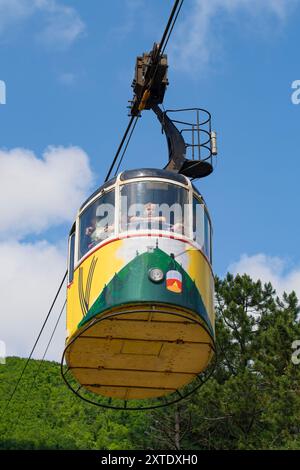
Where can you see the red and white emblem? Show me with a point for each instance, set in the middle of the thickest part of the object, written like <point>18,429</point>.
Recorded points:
<point>174,281</point>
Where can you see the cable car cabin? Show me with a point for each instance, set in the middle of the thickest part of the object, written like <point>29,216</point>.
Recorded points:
<point>140,315</point>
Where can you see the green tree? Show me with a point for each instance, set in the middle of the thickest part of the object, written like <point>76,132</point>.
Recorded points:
<point>252,400</point>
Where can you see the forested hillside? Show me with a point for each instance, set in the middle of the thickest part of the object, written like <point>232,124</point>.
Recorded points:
<point>252,400</point>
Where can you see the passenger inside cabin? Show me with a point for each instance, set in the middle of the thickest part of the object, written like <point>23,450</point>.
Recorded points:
<point>98,231</point>
<point>148,220</point>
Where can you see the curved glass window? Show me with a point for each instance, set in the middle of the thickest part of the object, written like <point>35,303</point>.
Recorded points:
<point>71,258</point>
<point>152,205</point>
<point>97,222</point>
<point>207,236</point>
<point>201,227</point>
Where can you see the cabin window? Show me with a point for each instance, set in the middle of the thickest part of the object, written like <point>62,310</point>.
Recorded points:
<point>207,236</point>
<point>71,257</point>
<point>198,222</point>
<point>152,205</point>
<point>97,222</point>
<point>201,227</point>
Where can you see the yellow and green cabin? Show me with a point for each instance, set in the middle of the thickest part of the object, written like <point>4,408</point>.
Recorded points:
<point>140,312</point>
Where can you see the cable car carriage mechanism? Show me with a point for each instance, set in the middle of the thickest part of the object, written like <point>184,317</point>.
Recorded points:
<point>140,313</point>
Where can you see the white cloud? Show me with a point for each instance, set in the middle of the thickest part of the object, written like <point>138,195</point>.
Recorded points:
<point>61,25</point>
<point>134,8</point>
<point>29,278</point>
<point>14,11</point>
<point>269,269</point>
<point>197,38</point>
<point>41,193</point>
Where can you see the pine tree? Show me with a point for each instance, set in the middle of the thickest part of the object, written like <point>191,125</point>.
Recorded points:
<point>252,400</point>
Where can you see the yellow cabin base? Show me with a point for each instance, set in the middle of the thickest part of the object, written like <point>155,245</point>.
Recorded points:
<point>140,353</point>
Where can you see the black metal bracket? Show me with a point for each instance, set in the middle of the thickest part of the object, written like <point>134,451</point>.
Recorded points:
<point>192,147</point>
<point>175,141</point>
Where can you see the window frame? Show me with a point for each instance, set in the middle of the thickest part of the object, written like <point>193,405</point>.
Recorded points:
<point>206,213</point>
<point>72,238</point>
<point>116,186</point>
<point>186,187</point>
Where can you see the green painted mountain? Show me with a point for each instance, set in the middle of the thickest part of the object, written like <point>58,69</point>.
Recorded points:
<point>252,400</point>
<point>132,284</point>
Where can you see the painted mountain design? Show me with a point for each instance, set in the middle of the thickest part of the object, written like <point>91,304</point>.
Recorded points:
<point>132,285</point>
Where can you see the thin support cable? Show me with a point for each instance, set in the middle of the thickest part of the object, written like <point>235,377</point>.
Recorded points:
<point>34,346</point>
<point>127,143</point>
<point>40,364</point>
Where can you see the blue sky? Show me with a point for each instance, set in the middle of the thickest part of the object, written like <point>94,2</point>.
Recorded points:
<point>68,67</point>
